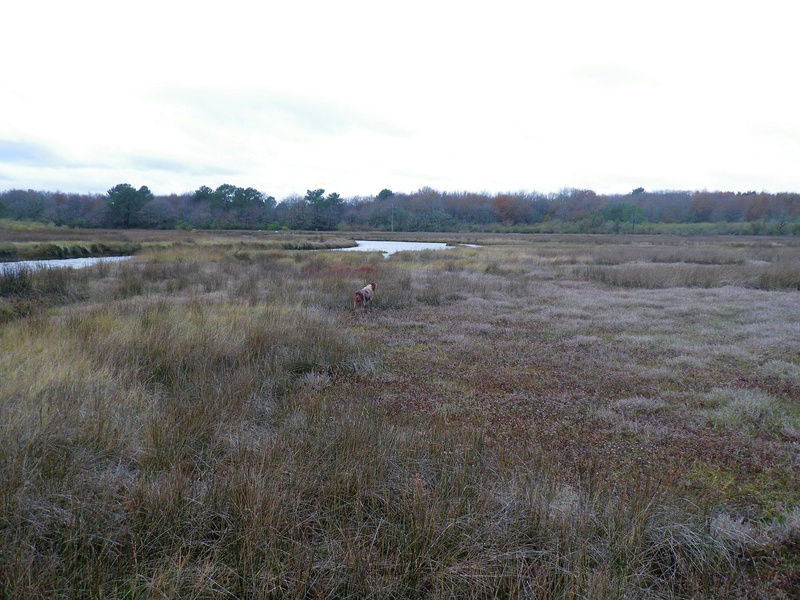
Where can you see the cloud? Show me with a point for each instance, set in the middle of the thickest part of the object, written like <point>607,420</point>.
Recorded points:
<point>355,96</point>
<point>147,163</point>
<point>28,153</point>
<point>281,115</point>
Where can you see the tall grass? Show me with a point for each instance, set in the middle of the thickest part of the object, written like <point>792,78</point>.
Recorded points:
<point>660,275</point>
<point>24,291</point>
<point>57,285</point>
<point>66,249</point>
<point>214,422</point>
<point>224,472</point>
<point>760,267</point>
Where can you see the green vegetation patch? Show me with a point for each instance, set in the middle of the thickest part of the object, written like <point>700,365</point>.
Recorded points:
<point>759,413</point>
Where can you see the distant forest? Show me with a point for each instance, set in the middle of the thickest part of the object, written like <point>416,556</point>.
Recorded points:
<point>567,211</point>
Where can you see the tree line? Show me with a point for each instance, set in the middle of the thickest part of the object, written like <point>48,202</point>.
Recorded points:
<point>568,211</point>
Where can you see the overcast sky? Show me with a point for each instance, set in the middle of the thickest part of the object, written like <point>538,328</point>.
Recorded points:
<point>354,96</point>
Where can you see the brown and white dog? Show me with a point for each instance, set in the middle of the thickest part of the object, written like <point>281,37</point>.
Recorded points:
<point>364,297</point>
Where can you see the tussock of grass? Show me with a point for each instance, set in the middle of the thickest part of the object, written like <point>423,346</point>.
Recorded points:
<point>782,371</point>
<point>734,409</point>
<point>25,291</point>
<point>51,285</point>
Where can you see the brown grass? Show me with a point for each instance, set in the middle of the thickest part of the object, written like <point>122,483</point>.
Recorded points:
<point>209,419</point>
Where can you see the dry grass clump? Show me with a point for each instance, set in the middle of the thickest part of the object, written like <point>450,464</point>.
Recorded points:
<point>665,275</point>
<point>698,264</point>
<point>209,419</point>
<point>24,291</point>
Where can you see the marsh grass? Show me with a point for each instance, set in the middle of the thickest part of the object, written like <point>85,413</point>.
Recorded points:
<point>25,291</point>
<point>64,249</point>
<point>209,420</point>
<point>665,275</point>
<point>437,288</point>
<point>756,412</point>
<point>56,285</point>
<point>761,265</point>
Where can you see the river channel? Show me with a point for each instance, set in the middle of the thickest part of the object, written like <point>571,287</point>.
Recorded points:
<point>389,248</point>
<point>386,247</point>
<point>74,263</point>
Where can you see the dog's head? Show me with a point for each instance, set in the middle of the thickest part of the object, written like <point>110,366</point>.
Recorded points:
<point>372,285</point>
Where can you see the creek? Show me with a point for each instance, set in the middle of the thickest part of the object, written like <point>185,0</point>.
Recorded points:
<point>389,248</point>
<point>74,263</point>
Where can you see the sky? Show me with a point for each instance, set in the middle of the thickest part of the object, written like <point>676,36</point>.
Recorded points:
<point>355,97</point>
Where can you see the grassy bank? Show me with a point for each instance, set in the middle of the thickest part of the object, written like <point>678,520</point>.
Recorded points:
<point>59,250</point>
<point>532,418</point>
<point>55,243</point>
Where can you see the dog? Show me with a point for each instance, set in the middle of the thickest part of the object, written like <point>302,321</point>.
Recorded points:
<point>364,297</point>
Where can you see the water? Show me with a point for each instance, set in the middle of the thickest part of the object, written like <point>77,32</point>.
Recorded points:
<point>389,248</point>
<point>74,263</point>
